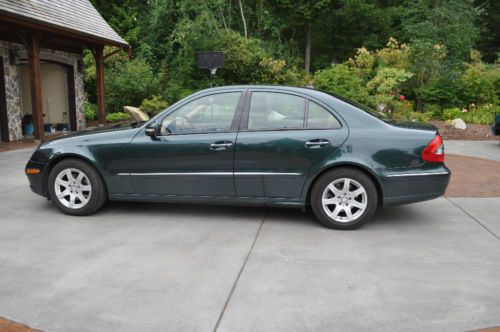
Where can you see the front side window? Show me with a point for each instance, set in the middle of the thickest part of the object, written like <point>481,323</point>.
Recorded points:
<point>269,110</point>
<point>319,118</point>
<point>207,114</point>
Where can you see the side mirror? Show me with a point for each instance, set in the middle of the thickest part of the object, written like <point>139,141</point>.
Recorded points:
<point>152,129</point>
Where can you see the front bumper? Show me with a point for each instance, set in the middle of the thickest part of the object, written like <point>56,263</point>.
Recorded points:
<point>405,188</point>
<point>37,180</point>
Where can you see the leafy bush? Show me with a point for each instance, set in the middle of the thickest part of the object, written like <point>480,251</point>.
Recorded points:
<point>434,109</point>
<point>129,83</point>
<point>242,57</point>
<point>481,82</point>
<point>387,84</point>
<point>117,117</point>
<point>481,115</point>
<point>273,71</point>
<point>407,114</point>
<point>452,113</point>
<point>343,80</point>
<point>153,105</point>
<point>90,111</point>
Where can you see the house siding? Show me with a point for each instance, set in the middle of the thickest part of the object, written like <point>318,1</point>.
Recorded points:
<point>12,85</point>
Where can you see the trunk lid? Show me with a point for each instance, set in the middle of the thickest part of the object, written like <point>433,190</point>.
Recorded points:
<point>414,125</point>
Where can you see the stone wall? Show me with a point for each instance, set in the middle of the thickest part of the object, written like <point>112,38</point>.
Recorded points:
<point>12,84</point>
<point>12,92</point>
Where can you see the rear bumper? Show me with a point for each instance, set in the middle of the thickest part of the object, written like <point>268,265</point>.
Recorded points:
<point>37,180</point>
<point>404,188</point>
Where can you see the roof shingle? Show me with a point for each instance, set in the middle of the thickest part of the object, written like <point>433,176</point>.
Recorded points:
<point>73,15</point>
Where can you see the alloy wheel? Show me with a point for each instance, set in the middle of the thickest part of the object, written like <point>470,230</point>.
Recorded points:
<point>72,188</point>
<point>344,200</point>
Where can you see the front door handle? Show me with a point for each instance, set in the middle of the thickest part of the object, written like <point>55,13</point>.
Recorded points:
<point>221,145</point>
<point>317,143</point>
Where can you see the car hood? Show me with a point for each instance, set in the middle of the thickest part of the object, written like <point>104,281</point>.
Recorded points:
<point>414,125</point>
<point>97,130</point>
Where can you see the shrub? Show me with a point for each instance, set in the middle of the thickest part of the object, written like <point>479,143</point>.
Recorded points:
<point>481,115</point>
<point>90,111</point>
<point>451,113</point>
<point>343,80</point>
<point>117,117</point>
<point>273,71</point>
<point>408,114</point>
<point>434,109</point>
<point>153,105</point>
<point>481,81</point>
<point>387,84</point>
<point>128,83</point>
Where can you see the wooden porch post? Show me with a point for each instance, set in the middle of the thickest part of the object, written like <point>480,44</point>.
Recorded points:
<point>33,49</point>
<point>99,63</point>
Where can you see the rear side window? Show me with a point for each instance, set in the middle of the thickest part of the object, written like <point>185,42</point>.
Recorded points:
<point>270,110</point>
<point>319,118</point>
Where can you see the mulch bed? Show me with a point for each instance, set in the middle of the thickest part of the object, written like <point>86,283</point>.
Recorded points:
<point>474,132</point>
<point>473,177</point>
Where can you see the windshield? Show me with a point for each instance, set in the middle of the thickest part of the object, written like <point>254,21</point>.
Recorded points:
<point>378,114</point>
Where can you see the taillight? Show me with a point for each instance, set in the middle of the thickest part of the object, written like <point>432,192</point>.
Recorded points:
<point>434,151</point>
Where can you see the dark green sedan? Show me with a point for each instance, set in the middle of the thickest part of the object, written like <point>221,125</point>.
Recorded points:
<point>261,145</point>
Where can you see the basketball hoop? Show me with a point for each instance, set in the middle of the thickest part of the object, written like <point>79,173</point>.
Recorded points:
<point>211,61</point>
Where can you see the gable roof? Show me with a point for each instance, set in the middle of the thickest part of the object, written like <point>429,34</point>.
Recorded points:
<point>78,17</point>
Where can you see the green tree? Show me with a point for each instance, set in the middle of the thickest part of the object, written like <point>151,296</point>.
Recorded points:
<point>450,23</point>
<point>304,13</point>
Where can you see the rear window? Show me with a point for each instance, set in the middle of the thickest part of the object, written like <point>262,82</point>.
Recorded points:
<point>319,118</point>
<point>378,114</point>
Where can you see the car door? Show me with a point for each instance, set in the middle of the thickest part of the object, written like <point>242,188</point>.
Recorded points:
<point>193,153</point>
<point>282,139</point>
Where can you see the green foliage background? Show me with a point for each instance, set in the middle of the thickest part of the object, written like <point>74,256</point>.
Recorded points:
<point>438,54</point>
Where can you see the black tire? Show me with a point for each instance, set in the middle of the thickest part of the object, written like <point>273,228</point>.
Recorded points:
<point>98,194</point>
<point>337,174</point>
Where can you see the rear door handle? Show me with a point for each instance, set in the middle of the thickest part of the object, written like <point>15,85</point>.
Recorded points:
<point>221,145</point>
<point>317,143</point>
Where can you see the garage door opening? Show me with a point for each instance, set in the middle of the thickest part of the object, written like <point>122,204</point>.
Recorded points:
<point>59,114</point>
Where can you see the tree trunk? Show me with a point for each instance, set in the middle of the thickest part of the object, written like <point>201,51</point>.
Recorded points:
<point>243,19</point>
<point>307,53</point>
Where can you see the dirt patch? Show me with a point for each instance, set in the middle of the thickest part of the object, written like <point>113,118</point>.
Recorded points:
<point>473,177</point>
<point>10,326</point>
<point>473,132</point>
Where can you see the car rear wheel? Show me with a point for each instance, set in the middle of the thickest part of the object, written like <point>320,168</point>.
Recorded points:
<point>344,198</point>
<point>76,188</point>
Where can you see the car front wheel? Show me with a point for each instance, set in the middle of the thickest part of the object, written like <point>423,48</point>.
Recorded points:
<point>76,188</point>
<point>344,198</point>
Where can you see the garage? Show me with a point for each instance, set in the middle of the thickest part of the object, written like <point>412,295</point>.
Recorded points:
<point>58,116</point>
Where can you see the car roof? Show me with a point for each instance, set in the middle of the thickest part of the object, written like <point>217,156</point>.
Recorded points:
<point>351,111</point>
<point>304,90</point>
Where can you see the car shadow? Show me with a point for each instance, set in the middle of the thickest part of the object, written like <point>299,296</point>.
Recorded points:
<point>393,216</point>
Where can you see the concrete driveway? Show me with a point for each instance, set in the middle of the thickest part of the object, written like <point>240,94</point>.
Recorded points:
<point>478,149</point>
<point>158,267</point>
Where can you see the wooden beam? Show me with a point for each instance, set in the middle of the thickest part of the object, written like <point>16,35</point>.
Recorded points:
<point>99,63</point>
<point>33,48</point>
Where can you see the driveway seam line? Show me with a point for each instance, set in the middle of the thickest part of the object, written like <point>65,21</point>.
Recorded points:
<point>226,304</point>
<point>477,221</point>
